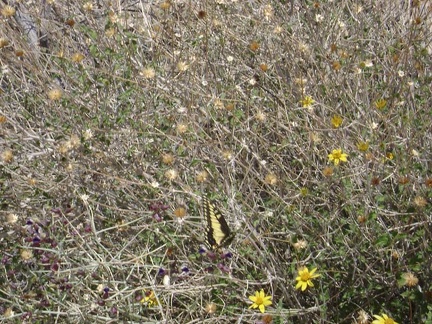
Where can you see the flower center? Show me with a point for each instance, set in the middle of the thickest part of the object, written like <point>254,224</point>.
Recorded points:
<point>259,301</point>
<point>305,276</point>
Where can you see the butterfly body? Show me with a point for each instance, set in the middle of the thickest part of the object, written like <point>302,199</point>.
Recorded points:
<point>218,231</point>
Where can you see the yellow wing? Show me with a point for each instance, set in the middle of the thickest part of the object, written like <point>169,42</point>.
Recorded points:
<point>218,231</point>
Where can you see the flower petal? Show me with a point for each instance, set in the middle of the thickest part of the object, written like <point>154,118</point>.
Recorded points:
<point>304,286</point>
<point>267,303</point>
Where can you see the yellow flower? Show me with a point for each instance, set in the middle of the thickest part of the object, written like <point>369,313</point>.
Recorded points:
<point>305,277</point>
<point>77,57</point>
<point>149,299</point>
<point>362,146</point>
<point>304,191</point>
<point>383,320</point>
<point>260,300</point>
<point>380,104</point>
<point>307,101</point>
<point>337,156</point>
<point>336,121</point>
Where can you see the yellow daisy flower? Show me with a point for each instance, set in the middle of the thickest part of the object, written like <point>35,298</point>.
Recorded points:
<point>307,101</point>
<point>304,279</point>
<point>336,121</point>
<point>337,156</point>
<point>380,104</point>
<point>362,146</point>
<point>260,300</point>
<point>150,299</point>
<point>384,319</point>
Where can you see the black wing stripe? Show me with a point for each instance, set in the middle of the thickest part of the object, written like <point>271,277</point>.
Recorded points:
<point>218,230</point>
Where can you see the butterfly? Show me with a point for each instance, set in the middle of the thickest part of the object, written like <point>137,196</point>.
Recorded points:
<point>218,231</point>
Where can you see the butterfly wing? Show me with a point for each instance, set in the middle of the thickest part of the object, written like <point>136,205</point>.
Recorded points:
<point>218,231</point>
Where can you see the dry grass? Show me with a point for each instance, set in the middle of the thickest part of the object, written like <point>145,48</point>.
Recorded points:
<point>123,117</point>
